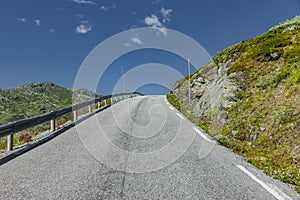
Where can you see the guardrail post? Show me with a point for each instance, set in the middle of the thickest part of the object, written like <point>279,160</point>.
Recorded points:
<point>90,109</point>
<point>75,117</point>
<point>10,142</point>
<point>52,125</point>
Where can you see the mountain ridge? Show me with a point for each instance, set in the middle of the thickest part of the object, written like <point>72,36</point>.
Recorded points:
<point>34,99</point>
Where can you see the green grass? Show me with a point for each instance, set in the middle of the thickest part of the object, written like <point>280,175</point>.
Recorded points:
<point>174,101</point>
<point>269,105</point>
<point>35,99</point>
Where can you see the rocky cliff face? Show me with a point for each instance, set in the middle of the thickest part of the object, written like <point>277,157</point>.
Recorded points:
<point>213,92</point>
<point>249,99</point>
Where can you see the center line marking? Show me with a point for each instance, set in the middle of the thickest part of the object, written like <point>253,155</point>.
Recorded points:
<point>171,107</point>
<point>270,190</point>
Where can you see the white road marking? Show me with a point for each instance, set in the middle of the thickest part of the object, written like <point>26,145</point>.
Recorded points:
<point>166,100</point>
<point>264,185</point>
<point>171,107</point>
<point>179,115</point>
<point>203,135</point>
<point>280,192</point>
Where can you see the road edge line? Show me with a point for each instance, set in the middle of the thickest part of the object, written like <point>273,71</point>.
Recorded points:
<point>203,135</point>
<point>179,115</point>
<point>264,185</point>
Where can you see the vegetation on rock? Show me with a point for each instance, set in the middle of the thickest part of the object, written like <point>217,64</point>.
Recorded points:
<point>35,99</point>
<point>256,109</point>
<point>174,101</point>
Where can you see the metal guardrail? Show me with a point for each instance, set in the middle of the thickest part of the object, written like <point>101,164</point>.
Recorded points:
<point>20,125</point>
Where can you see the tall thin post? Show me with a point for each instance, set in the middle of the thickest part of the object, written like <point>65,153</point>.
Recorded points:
<point>75,115</point>
<point>123,78</point>
<point>189,69</point>
<point>90,109</point>
<point>10,144</point>
<point>52,125</point>
<point>170,82</point>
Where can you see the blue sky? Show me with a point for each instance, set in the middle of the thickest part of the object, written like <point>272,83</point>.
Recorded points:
<point>47,40</point>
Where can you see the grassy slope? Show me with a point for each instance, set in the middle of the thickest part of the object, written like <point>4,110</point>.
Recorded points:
<point>270,104</point>
<point>174,101</point>
<point>32,100</point>
<point>265,124</point>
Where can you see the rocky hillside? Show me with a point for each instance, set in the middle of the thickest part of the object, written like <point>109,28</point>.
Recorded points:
<point>32,99</point>
<point>248,98</point>
<point>35,99</point>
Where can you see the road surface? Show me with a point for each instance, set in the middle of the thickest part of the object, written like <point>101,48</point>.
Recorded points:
<point>140,148</point>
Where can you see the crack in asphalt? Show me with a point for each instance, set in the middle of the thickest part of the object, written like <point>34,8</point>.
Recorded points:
<point>134,118</point>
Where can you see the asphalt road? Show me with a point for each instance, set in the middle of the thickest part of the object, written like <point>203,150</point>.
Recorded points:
<point>141,148</point>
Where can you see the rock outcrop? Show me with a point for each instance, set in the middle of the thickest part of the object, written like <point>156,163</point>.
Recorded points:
<point>249,100</point>
<point>212,93</point>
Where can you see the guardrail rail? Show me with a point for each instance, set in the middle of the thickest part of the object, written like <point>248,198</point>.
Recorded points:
<point>11,128</point>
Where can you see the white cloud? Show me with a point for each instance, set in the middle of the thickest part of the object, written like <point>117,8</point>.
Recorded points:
<point>84,2</point>
<point>127,44</point>
<point>163,30</point>
<point>114,6</point>
<point>52,30</point>
<point>79,16</point>
<point>137,40</point>
<point>103,8</point>
<point>132,27</point>
<point>83,28</point>
<point>37,22</point>
<point>166,13</point>
<point>152,21</point>
<point>129,28</point>
<point>21,19</point>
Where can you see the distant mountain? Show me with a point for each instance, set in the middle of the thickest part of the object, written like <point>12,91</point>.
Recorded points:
<point>35,99</point>
<point>248,98</point>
